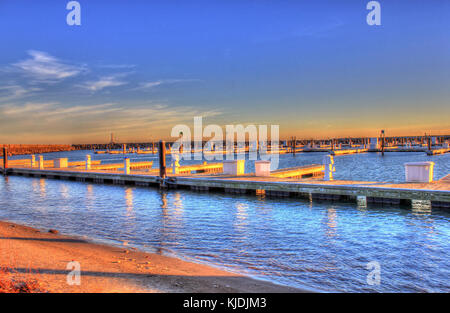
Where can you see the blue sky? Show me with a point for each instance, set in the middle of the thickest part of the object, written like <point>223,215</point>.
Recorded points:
<point>138,68</point>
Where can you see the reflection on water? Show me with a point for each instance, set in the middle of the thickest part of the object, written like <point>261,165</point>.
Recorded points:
<point>89,194</point>
<point>64,190</point>
<point>299,243</point>
<point>331,223</point>
<point>129,202</point>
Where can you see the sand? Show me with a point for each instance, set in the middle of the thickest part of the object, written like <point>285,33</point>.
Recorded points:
<point>34,254</point>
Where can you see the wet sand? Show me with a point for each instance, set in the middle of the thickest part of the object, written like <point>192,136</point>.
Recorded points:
<point>34,254</point>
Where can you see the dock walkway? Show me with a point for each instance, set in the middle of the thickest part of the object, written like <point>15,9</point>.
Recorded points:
<point>438,192</point>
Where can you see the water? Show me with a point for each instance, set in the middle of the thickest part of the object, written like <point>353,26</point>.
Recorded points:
<point>319,246</point>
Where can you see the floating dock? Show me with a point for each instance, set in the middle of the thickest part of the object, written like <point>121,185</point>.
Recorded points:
<point>438,151</point>
<point>438,192</point>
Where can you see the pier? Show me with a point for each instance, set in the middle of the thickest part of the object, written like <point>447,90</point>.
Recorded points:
<point>18,149</point>
<point>430,144</point>
<point>290,182</point>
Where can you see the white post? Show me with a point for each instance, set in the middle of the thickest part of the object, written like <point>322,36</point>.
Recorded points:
<point>33,161</point>
<point>126,166</point>
<point>88,162</point>
<point>41,162</point>
<point>329,167</point>
<point>175,164</point>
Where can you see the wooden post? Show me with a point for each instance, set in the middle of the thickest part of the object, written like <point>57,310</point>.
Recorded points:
<point>153,148</point>
<point>294,144</point>
<point>429,143</point>
<point>5,159</point>
<point>162,159</point>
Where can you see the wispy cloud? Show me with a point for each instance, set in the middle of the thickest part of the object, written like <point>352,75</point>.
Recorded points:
<point>152,84</point>
<point>45,68</point>
<point>104,82</point>
<point>14,92</point>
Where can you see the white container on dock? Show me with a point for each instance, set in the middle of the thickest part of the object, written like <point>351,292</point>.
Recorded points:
<point>419,172</point>
<point>234,167</point>
<point>61,163</point>
<point>262,168</point>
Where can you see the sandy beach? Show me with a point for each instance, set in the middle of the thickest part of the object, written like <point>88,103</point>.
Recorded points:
<point>36,255</point>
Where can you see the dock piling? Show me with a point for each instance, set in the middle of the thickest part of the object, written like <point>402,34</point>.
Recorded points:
<point>162,159</point>
<point>41,162</point>
<point>329,167</point>
<point>5,159</point>
<point>126,166</point>
<point>88,162</point>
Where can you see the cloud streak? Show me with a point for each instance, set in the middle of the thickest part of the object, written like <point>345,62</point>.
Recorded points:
<point>103,82</point>
<point>150,85</point>
<point>43,67</point>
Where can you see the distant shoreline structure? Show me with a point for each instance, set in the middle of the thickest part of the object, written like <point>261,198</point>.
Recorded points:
<point>21,149</point>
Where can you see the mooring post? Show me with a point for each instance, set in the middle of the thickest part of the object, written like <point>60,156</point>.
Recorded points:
<point>294,145</point>
<point>328,162</point>
<point>88,162</point>
<point>33,161</point>
<point>429,143</point>
<point>5,160</point>
<point>162,159</point>
<point>41,162</point>
<point>126,166</point>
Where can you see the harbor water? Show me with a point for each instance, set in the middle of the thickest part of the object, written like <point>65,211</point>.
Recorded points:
<point>321,246</point>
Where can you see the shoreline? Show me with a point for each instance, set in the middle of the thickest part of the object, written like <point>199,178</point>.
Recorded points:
<point>33,254</point>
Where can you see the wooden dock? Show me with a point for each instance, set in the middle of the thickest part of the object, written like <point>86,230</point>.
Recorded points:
<point>314,170</point>
<point>438,151</point>
<point>117,166</point>
<point>438,193</point>
<point>348,151</point>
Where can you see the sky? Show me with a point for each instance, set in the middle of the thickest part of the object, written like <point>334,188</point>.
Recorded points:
<point>138,68</point>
